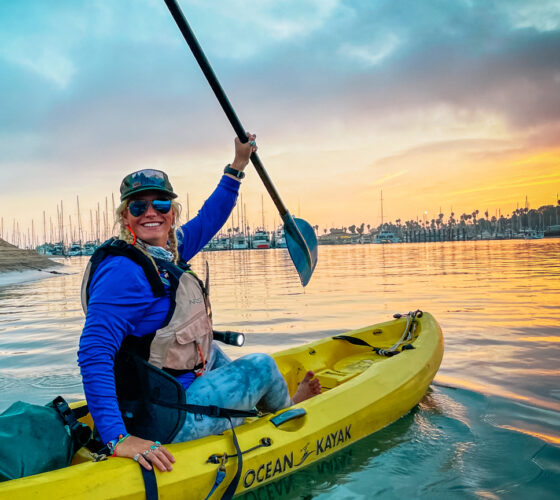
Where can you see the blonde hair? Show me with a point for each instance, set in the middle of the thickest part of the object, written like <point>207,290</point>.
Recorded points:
<point>126,234</point>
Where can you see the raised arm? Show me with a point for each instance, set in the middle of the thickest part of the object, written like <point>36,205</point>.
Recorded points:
<point>193,235</point>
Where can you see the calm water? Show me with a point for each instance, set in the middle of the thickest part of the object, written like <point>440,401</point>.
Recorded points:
<point>489,427</point>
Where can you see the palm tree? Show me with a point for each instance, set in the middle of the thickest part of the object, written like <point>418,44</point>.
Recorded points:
<point>474,214</point>
<point>451,221</point>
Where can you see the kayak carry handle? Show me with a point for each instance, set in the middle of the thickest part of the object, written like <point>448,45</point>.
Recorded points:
<point>286,416</point>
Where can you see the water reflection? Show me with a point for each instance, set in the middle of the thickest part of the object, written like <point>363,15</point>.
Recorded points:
<point>497,302</point>
<point>499,308</point>
<point>545,437</point>
<point>334,471</point>
<point>539,339</point>
<point>447,447</point>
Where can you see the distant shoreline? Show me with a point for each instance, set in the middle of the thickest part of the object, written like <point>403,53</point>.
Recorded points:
<point>16,259</point>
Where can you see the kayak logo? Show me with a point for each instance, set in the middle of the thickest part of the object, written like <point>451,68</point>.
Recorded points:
<point>282,464</point>
<point>332,440</point>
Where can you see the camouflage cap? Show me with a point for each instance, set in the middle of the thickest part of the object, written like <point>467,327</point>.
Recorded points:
<point>146,180</point>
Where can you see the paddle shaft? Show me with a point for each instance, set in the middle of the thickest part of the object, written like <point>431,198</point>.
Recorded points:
<point>302,249</point>
<point>223,100</point>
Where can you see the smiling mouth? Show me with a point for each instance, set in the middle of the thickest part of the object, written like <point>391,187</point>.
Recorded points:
<point>152,224</point>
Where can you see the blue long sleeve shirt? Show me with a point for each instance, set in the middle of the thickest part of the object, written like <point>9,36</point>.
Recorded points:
<point>121,303</point>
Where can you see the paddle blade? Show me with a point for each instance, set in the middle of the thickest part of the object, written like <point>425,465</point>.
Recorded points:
<point>302,245</point>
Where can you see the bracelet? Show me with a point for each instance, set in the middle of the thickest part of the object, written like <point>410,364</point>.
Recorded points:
<point>112,445</point>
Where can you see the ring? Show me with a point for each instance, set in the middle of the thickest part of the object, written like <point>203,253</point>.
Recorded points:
<point>146,453</point>
<point>158,444</point>
<point>154,447</point>
<point>253,143</point>
<point>136,457</point>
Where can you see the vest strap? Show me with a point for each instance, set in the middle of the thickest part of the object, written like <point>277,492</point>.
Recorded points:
<point>150,483</point>
<point>178,373</point>
<point>114,246</point>
<point>230,491</point>
<point>209,411</point>
<point>360,342</point>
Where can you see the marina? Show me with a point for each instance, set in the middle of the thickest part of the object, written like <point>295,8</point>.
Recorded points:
<point>526,223</point>
<point>263,240</point>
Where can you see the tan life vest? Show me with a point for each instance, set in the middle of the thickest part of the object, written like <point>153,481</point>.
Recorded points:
<point>184,343</point>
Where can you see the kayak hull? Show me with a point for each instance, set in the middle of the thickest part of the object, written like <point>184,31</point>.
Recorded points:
<point>363,392</point>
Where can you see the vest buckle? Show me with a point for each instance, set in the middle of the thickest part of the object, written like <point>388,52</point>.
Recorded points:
<point>213,411</point>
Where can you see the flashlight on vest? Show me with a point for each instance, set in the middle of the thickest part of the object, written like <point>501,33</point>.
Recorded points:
<point>231,338</point>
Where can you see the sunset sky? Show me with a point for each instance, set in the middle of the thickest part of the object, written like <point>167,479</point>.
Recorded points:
<point>439,103</point>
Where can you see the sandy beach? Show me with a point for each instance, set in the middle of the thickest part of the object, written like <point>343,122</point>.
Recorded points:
<point>16,259</point>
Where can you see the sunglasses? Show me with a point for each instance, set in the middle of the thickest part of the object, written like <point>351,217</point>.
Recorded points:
<point>139,207</point>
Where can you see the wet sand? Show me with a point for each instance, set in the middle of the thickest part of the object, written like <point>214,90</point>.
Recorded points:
<point>16,259</point>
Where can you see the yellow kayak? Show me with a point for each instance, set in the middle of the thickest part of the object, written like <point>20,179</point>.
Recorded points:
<point>364,390</point>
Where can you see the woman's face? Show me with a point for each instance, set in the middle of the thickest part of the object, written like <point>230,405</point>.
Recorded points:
<point>152,226</point>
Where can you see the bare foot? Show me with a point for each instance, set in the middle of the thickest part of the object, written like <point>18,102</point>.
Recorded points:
<point>307,388</point>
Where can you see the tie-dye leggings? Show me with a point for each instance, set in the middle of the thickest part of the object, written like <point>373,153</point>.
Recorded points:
<point>253,380</point>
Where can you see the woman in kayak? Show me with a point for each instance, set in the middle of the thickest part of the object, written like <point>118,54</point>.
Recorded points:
<point>126,305</point>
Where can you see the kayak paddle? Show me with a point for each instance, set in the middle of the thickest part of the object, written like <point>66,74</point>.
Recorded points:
<point>300,236</point>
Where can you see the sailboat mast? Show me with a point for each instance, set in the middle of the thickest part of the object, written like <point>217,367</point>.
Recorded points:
<point>382,209</point>
<point>114,212</point>
<point>61,222</point>
<point>79,220</point>
<point>262,210</point>
<point>242,222</point>
<point>57,221</point>
<point>97,224</point>
<point>91,232</point>
<point>237,213</point>
<point>106,219</point>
